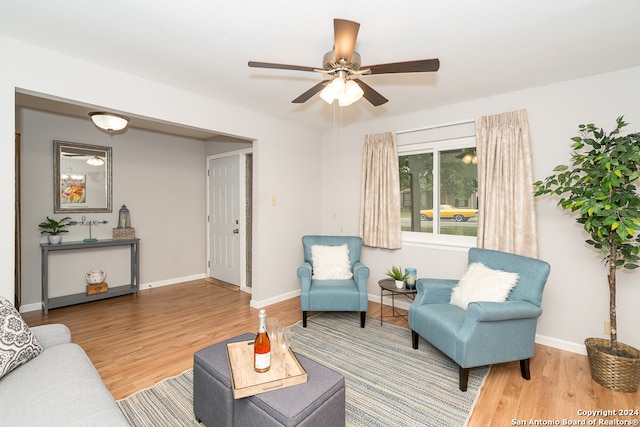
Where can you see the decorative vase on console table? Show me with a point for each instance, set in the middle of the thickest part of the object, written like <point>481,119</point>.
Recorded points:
<point>95,282</point>
<point>124,230</point>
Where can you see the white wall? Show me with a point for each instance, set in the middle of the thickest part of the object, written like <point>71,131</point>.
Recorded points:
<point>576,297</point>
<point>282,150</point>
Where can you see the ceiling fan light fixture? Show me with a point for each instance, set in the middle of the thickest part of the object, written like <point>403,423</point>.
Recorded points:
<point>352,93</point>
<point>333,90</point>
<point>469,158</point>
<point>343,62</point>
<point>109,121</point>
<point>345,91</point>
<point>337,85</point>
<point>327,94</point>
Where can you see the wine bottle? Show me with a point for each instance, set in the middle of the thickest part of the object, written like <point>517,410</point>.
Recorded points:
<point>262,346</point>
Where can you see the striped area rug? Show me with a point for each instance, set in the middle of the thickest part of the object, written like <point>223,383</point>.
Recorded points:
<point>388,383</point>
<point>168,403</point>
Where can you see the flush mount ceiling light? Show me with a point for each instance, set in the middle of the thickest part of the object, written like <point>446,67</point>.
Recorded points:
<point>95,161</point>
<point>109,121</point>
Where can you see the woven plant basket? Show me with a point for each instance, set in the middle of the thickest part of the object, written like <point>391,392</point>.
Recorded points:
<point>618,373</point>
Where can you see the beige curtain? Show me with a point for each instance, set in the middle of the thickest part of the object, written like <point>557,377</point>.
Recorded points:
<point>380,197</point>
<point>506,219</point>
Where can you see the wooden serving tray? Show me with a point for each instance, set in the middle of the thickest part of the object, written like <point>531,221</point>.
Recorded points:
<point>247,382</point>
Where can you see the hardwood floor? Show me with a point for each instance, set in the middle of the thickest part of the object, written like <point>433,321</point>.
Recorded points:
<point>135,341</point>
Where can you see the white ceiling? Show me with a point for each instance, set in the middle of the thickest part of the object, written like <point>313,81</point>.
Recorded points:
<point>485,47</point>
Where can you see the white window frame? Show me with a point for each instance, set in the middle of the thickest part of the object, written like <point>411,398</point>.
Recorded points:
<point>435,239</point>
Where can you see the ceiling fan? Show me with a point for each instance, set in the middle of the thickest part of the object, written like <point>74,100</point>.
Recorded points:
<point>342,65</point>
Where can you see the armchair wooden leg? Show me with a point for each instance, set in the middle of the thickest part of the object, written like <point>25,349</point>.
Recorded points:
<point>304,319</point>
<point>464,378</point>
<point>414,339</point>
<point>524,369</point>
<point>363,316</point>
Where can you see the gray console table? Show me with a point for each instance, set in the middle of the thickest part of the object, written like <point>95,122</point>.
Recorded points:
<point>65,300</point>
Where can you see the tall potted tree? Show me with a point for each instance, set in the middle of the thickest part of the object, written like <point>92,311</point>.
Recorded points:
<point>601,186</point>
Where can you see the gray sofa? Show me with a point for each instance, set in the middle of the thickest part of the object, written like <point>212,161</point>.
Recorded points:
<point>59,387</point>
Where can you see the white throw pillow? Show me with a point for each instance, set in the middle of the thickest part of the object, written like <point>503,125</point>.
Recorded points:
<point>18,345</point>
<point>331,262</point>
<point>480,283</point>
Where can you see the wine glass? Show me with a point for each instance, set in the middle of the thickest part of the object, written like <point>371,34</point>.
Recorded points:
<point>272,330</point>
<point>284,342</point>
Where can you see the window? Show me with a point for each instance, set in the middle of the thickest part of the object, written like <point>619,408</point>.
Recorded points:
<point>440,173</point>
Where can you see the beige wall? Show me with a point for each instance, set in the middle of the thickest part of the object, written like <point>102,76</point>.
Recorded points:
<point>316,179</point>
<point>575,301</point>
<point>160,179</point>
<point>277,143</point>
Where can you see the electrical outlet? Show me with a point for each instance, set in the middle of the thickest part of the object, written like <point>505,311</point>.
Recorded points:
<point>607,327</point>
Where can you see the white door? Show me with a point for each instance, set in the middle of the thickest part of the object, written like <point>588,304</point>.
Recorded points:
<point>224,219</point>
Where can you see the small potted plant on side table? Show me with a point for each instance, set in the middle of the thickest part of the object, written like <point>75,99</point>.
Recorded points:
<point>396,274</point>
<point>54,228</point>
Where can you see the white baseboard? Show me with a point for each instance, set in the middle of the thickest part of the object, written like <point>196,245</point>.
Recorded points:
<point>168,282</point>
<point>561,344</point>
<point>540,339</point>
<point>269,301</point>
<point>400,301</point>
<point>25,308</point>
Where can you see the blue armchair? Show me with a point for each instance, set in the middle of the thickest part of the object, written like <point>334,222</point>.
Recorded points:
<point>343,294</point>
<point>486,332</point>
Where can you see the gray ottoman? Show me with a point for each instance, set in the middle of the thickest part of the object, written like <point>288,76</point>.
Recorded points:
<point>318,402</point>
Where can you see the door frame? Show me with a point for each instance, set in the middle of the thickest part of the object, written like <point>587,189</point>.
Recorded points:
<point>17,286</point>
<point>242,198</point>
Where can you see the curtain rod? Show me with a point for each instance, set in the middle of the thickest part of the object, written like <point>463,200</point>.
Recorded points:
<point>463,122</point>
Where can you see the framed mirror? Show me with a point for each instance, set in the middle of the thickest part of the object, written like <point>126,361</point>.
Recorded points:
<point>81,178</point>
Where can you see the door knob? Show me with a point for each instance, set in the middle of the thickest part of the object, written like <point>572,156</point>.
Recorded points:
<point>236,231</point>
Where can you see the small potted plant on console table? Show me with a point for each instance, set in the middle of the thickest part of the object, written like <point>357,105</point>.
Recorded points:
<point>54,228</point>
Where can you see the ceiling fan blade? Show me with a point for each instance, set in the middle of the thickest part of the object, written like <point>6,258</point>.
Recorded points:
<point>255,64</point>
<point>371,94</point>
<point>308,94</point>
<point>419,66</point>
<point>345,34</point>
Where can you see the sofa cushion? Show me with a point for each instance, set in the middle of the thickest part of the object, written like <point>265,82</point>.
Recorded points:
<point>331,262</point>
<point>481,283</point>
<point>58,388</point>
<point>18,344</point>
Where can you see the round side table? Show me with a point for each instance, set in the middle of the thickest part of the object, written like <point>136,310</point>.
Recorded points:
<point>388,287</point>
